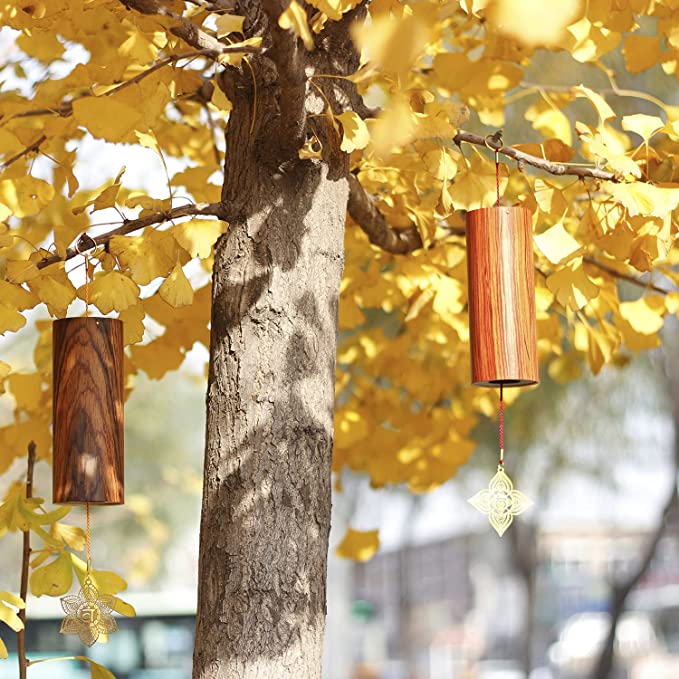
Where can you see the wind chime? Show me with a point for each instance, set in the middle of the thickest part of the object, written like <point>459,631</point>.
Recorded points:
<point>501,283</point>
<point>88,465</point>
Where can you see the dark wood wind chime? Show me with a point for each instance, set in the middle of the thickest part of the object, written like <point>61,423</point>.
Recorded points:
<point>502,328</point>
<point>88,464</point>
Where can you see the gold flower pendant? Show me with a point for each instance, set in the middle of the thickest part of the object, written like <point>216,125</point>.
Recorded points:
<point>88,613</point>
<point>500,502</point>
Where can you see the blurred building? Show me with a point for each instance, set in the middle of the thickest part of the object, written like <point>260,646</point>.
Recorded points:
<point>433,611</point>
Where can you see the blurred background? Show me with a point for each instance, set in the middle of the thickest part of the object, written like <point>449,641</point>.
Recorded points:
<point>444,597</point>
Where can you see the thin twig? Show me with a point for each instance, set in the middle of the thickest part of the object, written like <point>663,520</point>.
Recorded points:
<point>647,285</point>
<point>185,29</point>
<point>541,163</point>
<point>130,225</point>
<point>65,109</point>
<point>29,149</point>
<point>25,560</point>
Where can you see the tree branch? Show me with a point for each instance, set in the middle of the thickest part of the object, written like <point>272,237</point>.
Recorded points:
<point>364,212</point>
<point>29,149</point>
<point>186,30</point>
<point>25,560</point>
<point>86,243</point>
<point>625,276</point>
<point>549,166</point>
<point>65,109</point>
<point>406,240</point>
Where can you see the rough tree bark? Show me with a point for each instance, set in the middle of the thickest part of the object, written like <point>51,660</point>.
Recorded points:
<point>276,279</point>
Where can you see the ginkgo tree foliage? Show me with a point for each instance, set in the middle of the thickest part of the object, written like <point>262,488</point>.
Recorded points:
<point>279,119</point>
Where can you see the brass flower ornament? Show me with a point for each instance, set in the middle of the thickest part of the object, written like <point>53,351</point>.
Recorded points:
<point>500,502</point>
<point>88,614</point>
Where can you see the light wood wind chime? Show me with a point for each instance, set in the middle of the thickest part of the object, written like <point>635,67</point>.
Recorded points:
<point>502,329</point>
<point>88,464</point>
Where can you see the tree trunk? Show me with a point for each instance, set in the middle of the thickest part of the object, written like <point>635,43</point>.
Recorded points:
<point>524,555</point>
<point>266,498</point>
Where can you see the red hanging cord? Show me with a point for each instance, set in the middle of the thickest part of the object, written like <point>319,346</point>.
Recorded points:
<point>497,180</point>
<point>89,550</point>
<point>87,286</point>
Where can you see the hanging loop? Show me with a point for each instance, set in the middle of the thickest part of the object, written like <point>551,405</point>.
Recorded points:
<point>82,246</point>
<point>494,142</point>
<point>496,145</point>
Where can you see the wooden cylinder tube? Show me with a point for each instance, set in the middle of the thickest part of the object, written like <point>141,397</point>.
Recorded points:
<point>88,464</point>
<point>501,278</point>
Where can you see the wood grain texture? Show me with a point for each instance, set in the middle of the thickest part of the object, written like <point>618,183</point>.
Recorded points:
<point>501,277</point>
<point>88,463</point>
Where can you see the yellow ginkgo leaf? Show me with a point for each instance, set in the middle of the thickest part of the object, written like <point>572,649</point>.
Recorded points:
<point>3,651</point>
<point>557,244</point>
<point>441,164</point>
<point>571,286</point>
<point>158,357</point>
<point>641,52</point>
<point>17,297</point>
<point>475,187</point>
<point>25,196</point>
<point>602,108</point>
<point>97,671</point>
<point>54,579</point>
<point>394,44</point>
<point>229,23</point>
<point>9,616</point>
<point>535,22</point>
<point>355,133</point>
<point>394,127</point>
<point>105,198</point>
<point>644,125</point>
<point>10,319</point>
<point>111,291</point>
<point>26,389</point>
<point>198,236</point>
<point>645,315</point>
<point>133,323</point>
<point>359,545</point>
<point>5,370</point>
<point>645,199</point>
<point>146,257</point>
<point>334,8</point>
<point>176,290</point>
<point>294,18</point>
<point>72,536</point>
<point>106,118</point>
<point>54,288</point>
